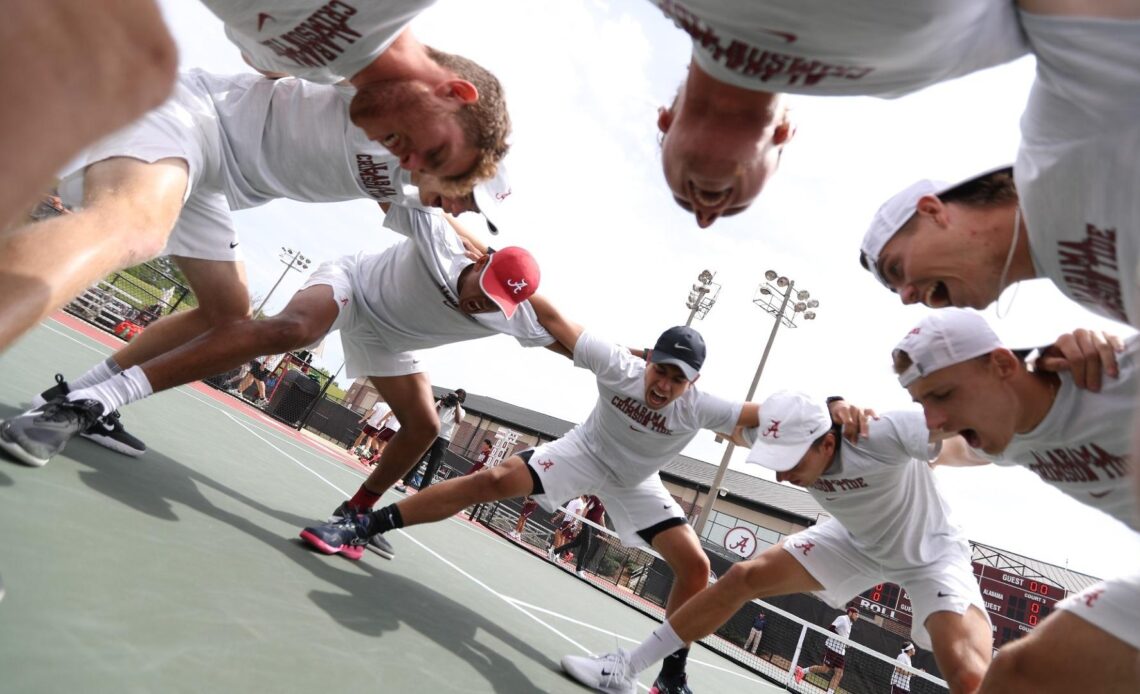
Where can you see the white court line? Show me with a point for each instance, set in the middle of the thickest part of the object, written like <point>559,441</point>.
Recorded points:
<point>615,635</point>
<point>519,605</point>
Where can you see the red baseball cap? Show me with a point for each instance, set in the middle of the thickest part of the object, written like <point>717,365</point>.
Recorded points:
<point>510,278</point>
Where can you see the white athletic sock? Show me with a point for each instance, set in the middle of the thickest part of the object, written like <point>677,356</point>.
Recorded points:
<point>660,643</point>
<point>97,374</point>
<point>113,393</point>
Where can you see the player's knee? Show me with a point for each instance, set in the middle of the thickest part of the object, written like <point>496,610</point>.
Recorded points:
<point>285,332</point>
<point>694,573</point>
<point>229,309</point>
<point>966,675</point>
<point>1008,670</point>
<point>740,578</point>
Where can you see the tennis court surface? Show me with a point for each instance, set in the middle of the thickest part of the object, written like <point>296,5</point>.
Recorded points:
<point>181,571</point>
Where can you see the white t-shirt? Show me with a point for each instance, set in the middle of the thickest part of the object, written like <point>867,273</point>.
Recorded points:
<point>575,507</point>
<point>320,40</point>
<point>1078,168</point>
<point>839,47</point>
<point>901,678</point>
<point>377,413</point>
<point>623,434</point>
<point>883,492</point>
<point>449,420</point>
<point>292,139</point>
<point>408,292</point>
<point>1082,446</point>
<point>841,626</point>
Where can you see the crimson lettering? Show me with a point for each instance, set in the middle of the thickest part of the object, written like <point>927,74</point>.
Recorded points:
<point>320,38</point>
<point>1079,464</point>
<point>1089,269</point>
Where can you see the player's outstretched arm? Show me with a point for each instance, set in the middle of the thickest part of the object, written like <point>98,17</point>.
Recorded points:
<point>563,330</point>
<point>476,247</point>
<point>1088,355</point>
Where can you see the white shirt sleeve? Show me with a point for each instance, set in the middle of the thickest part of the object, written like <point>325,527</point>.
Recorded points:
<point>598,355</point>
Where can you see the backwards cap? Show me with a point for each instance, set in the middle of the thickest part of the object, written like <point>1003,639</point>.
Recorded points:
<point>897,211</point>
<point>944,338</point>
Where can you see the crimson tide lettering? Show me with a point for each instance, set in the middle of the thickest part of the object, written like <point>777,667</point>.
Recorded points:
<point>1088,463</point>
<point>748,60</point>
<point>321,38</point>
<point>374,176</point>
<point>1089,269</point>
<point>641,414</point>
<point>843,485</point>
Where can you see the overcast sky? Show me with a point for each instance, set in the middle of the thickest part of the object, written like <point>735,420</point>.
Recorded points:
<point>584,80</point>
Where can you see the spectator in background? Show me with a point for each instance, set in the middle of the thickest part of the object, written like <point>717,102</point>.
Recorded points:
<point>390,426</point>
<point>528,507</point>
<point>582,544</point>
<point>900,677</point>
<point>566,519</point>
<point>259,370</point>
<point>373,423</point>
<point>484,456</point>
<point>451,413</point>
<point>756,632</point>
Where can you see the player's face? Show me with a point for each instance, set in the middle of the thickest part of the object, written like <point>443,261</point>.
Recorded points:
<point>716,167</point>
<point>418,125</point>
<point>472,300</point>
<point>435,193</point>
<point>664,383</point>
<point>811,466</point>
<point>939,267</point>
<point>971,399</point>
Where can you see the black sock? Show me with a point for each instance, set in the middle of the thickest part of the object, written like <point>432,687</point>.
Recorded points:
<point>385,519</point>
<point>674,663</point>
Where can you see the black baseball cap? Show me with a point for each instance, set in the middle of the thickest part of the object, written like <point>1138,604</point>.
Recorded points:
<point>682,347</point>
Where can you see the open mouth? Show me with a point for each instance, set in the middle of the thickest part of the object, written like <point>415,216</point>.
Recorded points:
<point>655,399</point>
<point>710,198</point>
<point>972,438</point>
<point>937,295</point>
<point>392,142</point>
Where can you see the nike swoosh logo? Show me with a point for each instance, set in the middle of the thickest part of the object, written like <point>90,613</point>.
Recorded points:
<point>945,595</point>
<point>1100,495</point>
<point>830,498</point>
<point>606,673</point>
<point>786,35</point>
<point>234,244</point>
<point>680,346</point>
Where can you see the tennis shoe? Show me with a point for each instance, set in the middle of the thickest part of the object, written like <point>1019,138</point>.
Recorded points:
<point>107,431</point>
<point>261,402</point>
<point>38,435</point>
<point>345,536</point>
<point>677,684</point>
<point>377,543</point>
<point>608,672</point>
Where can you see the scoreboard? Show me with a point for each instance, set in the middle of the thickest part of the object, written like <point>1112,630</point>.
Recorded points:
<point>1015,603</point>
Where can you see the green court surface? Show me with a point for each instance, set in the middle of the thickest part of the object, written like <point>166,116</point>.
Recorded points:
<point>181,571</point>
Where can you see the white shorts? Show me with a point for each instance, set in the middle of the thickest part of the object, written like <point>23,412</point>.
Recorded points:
<point>184,127</point>
<point>1113,606</point>
<point>830,555</point>
<point>568,470</point>
<point>365,352</point>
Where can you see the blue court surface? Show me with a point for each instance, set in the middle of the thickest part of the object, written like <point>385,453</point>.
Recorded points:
<point>181,571</point>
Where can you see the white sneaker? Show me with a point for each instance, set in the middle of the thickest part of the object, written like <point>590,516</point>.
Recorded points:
<point>550,554</point>
<point>608,672</point>
<point>581,574</point>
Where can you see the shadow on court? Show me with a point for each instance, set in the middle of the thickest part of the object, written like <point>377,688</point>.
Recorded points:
<point>370,602</point>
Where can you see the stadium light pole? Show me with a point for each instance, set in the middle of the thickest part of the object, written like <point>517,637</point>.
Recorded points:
<point>776,289</point>
<point>702,296</point>
<point>293,261</point>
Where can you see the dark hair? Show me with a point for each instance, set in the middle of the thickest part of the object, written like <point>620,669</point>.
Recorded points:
<point>836,429</point>
<point>487,441</point>
<point>995,189</point>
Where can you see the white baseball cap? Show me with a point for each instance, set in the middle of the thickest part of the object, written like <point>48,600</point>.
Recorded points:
<point>944,338</point>
<point>897,211</point>
<point>490,196</point>
<point>789,423</point>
